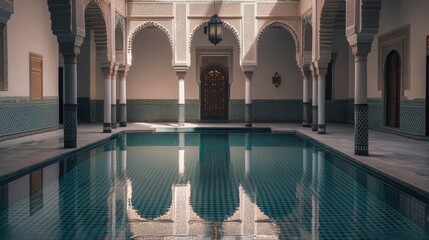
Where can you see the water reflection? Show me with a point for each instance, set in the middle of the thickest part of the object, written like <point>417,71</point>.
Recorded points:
<point>206,185</point>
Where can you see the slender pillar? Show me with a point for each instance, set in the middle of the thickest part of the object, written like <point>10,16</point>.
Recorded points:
<point>360,51</point>
<point>70,101</point>
<point>122,74</point>
<point>321,125</point>
<point>248,98</point>
<point>107,122</point>
<point>306,97</point>
<point>181,72</point>
<point>314,100</point>
<point>113,95</point>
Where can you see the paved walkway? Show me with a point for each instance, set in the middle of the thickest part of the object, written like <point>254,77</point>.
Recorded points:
<point>403,158</point>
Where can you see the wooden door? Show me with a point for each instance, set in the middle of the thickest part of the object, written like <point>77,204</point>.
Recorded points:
<point>392,80</point>
<point>214,92</point>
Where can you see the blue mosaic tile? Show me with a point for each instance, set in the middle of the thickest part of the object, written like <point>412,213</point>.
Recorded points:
<point>18,116</point>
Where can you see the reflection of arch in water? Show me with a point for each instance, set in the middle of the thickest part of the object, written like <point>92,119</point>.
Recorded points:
<point>272,184</point>
<point>153,172</point>
<point>215,189</point>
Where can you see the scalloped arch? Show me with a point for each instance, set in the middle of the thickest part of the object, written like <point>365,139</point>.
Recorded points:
<point>283,25</point>
<point>225,24</point>
<point>98,14</point>
<point>141,27</point>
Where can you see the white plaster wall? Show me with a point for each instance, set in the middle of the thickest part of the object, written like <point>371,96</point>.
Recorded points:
<point>340,46</point>
<point>192,80</point>
<point>276,53</point>
<point>29,30</point>
<point>151,75</point>
<point>396,14</point>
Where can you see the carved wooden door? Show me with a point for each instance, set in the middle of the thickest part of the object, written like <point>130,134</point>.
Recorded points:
<point>214,92</point>
<point>393,76</point>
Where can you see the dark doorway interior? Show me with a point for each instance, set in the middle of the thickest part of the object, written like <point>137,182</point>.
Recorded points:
<point>392,79</point>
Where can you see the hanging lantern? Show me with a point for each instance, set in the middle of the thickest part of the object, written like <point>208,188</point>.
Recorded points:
<point>215,29</point>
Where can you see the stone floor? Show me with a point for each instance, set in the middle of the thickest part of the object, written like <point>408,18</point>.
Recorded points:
<point>403,158</point>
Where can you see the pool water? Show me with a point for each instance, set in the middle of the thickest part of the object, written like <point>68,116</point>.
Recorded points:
<point>207,186</point>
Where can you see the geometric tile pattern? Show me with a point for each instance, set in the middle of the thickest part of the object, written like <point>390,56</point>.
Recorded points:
<point>248,115</point>
<point>122,117</point>
<point>412,117</point>
<point>70,125</point>
<point>113,115</point>
<point>315,115</point>
<point>326,197</point>
<point>181,114</point>
<point>277,110</point>
<point>20,116</point>
<point>306,114</point>
<point>83,110</point>
<point>361,129</point>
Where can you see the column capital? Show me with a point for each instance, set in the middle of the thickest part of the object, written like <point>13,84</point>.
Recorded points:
<point>361,50</point>
<point>247,69</point>
<point>107,69</point>
<point>115,68</point>
<point>321,68</point>
<point>306,71</point>
<point>69,52</point>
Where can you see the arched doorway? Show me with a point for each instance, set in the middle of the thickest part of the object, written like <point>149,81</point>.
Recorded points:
<point>392,73</point>
<point>214,92</point>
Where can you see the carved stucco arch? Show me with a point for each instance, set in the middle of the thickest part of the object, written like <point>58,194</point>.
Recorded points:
<point>288,28</point>
<point>102,35</point>
<point>148,24</point>
<point>224,23</point>
<point>326,26</point>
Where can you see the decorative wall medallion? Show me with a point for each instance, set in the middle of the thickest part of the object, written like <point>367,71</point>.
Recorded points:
<point>277,79</point>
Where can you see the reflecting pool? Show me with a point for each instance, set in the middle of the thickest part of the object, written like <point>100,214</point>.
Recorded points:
<point>208,186</point>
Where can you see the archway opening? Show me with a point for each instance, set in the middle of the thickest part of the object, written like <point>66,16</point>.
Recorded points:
<point>392,76</point>
<point>152,86</point>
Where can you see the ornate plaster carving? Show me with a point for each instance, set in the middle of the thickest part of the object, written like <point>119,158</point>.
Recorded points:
<point>138,28</point>
<point>97,15</point>
<point>225,24</point>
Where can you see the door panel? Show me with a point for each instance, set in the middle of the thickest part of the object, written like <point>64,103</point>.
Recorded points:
<point>214,92</point>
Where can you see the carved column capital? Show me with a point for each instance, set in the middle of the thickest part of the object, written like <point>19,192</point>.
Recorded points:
<point>361,50</point>
<point>107,69</point>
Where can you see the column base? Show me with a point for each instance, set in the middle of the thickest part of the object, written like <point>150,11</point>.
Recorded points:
<point>306,114</point>
<point>107,127</point>
<point>361,129</point>
<point>314,124</point>
<point>181,121</point>
<point>248,115</point>
<point>70,125</point>
<point>122,115</point>
<point>321,128</point>
<point>113,118</point>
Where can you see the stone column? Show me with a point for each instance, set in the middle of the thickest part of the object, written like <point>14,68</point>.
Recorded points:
<point>70,100</point>
<point>122,74</point>
<point>113,95</point>
<point>360,51</point>
<point>248,98</point>
<point>314,100</point>
<point>306,74</point>
<point>107,122</point>
<point>321,125</point>
<point>181,73</point>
